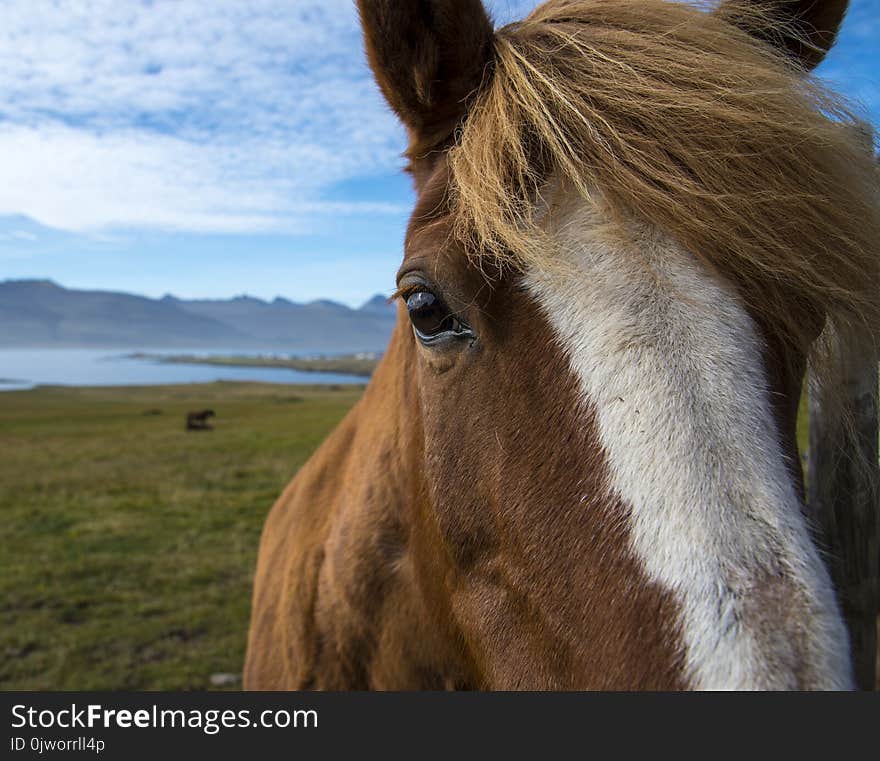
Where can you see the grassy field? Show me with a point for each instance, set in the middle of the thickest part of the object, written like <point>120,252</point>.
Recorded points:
<point>128,543</point>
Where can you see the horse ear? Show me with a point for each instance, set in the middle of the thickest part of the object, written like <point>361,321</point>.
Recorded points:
<point>428,56</point>
<point>804,29</point>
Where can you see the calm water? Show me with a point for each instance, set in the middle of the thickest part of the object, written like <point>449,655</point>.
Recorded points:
<point>25,368</point>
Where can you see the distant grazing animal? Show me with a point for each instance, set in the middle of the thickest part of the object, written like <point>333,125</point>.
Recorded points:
<point>575,466</point>
<point>198,421</point>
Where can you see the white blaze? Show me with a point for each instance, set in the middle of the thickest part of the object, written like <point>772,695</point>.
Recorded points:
<point>672,363</point>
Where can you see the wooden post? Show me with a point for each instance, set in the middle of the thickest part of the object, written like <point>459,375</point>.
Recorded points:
<point>842,478</point>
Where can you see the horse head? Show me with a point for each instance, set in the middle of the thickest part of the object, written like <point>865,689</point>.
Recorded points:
<point>576,465</point>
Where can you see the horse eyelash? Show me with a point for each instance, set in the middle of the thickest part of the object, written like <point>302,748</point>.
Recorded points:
<point>405,291</point>
<point>400,293</point>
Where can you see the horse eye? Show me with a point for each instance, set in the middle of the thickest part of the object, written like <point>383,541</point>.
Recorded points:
<point>432,319</point>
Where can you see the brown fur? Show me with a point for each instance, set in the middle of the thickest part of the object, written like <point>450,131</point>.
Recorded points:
<point>414,551</point>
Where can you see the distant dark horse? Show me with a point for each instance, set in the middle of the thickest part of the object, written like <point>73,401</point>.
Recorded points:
<point>198,421</point>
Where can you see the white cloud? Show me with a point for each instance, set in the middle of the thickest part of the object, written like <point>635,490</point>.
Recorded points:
<point>208,115</point>
<point>201,115</point>
<point>73,180</point>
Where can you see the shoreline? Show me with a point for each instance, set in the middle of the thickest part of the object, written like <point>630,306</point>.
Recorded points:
<point>360,383</point>
<point>359,365</point>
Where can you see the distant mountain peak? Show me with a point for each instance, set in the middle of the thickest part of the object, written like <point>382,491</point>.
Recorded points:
<point>43,313</point>
<point>327,303</point>
<point>377,303</point>
<point>31,282</point>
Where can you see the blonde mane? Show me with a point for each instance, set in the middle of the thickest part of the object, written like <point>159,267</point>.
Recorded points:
<point>679,118</point>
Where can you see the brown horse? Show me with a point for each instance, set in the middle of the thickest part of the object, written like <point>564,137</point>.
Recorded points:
<point>575,467</point>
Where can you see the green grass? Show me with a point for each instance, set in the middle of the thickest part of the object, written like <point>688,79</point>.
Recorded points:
<point>128,543</point>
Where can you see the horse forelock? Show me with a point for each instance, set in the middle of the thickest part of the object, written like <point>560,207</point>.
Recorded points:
<point>687,122</point>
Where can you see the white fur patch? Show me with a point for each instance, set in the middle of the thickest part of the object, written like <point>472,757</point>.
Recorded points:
<point>671,361</point>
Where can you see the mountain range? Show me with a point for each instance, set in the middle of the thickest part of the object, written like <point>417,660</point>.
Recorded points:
<point>41,313</point>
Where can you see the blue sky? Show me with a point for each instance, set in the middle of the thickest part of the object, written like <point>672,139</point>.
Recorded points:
<point>217,147</point>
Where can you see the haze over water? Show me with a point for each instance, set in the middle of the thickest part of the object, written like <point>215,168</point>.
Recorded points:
<point>26,368</point>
